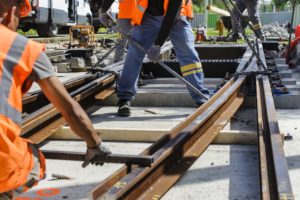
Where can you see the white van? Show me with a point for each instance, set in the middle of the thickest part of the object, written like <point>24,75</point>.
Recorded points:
<point>50,16</point>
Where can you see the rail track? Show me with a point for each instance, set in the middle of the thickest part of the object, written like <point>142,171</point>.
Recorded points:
<point>173,154</point>
<point>44,121</point>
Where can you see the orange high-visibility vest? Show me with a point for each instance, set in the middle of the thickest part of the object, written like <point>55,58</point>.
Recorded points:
<point>25,8</point>
<point>126,8</point>
<point>17,57</point>
<point>187,9</point>
<point>141,7</point>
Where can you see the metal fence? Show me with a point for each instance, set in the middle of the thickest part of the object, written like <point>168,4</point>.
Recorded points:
<point>297,15</point>
<point>280,17</point>
<point>266,18</point>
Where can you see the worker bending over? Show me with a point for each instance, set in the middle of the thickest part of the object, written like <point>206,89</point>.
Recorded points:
<point>154,21</point>
<point>23,61</point>
<point>126,8</point>
<point>252,9</point>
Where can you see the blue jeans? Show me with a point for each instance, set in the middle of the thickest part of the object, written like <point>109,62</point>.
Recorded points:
<point>253,13</point>
<point>182,39</point>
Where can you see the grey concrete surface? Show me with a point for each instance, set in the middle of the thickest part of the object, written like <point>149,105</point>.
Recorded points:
<point>61,76</point>
<point>289,123</point>
<point>238,179</point>
<point>222,172</point>
<point>82,180</point>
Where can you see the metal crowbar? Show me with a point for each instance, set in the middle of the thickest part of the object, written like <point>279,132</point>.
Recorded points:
<point>166,67</point>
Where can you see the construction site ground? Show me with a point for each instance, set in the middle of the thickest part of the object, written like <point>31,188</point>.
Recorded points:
<point>228,169</point>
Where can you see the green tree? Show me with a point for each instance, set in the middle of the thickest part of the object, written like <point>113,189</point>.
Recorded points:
<point>279,4</point>
<point>196,9</point>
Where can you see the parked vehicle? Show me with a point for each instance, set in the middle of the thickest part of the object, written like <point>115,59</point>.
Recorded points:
<point>49,17</point>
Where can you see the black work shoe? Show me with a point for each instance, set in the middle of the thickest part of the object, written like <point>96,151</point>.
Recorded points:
<point>233,37</point>
<point>124,108</point>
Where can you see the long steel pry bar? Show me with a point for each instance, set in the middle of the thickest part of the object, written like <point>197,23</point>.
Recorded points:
<point>110,158</point>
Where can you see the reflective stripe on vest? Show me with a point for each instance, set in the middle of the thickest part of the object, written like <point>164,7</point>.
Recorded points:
<point>14,54</point>
<point>141,9</point>
<point>17,58</point>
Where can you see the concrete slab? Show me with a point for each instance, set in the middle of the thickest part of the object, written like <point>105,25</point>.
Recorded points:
<point>210,178</point>
<point>289,81</point>
<point>243,120</point>
<point>286,74</point>
<point>61,76</point>
<point>164,92</point>
<point>157,121</point>
<point>282,101</point>
<point>282,67</point>
<point>289,122</point>
<point>148,124</point>
<point>222,172</point>
<point>280,60</point>
<point>82,180</point>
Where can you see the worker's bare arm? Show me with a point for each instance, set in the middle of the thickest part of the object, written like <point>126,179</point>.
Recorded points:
<point>70,109</point>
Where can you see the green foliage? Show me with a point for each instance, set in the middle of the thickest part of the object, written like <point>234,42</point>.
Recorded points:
<point>31,32</point>
<point>281,3</point>
<point>196,9</point>
<point>199,4</point>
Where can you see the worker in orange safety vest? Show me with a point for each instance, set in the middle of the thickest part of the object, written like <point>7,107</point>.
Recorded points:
<point>126,10</point>
<point>23,61</point>
<point>153,22</point>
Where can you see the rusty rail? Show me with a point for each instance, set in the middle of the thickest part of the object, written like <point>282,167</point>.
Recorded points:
<point>176,151</point>
<point>42,123</point>
<point>111,158</point>
<point>69,85</point>
<point>275,181</point>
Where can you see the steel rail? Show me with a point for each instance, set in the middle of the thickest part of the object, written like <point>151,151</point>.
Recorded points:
<point>49,110</point>
<point>41,124</point>
<point>69,85</point>
<point>274,176</point>
<point>171,147</point>
<point>111,158</point>
<point>114,178</point>
<point>123,171</point>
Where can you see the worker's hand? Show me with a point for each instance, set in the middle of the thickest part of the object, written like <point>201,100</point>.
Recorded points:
<point>92,152</point>
<point>153,53</point>
<point>105,19</point>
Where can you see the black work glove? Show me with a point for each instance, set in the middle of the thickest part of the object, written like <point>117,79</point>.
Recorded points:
<point>153,53</point>
<point>92,152</point>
